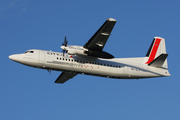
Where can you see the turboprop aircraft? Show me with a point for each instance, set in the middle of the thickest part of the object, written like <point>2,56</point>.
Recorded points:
<point>90,59</point>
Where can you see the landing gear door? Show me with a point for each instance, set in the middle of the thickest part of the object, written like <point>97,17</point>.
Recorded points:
<point>41,56</point>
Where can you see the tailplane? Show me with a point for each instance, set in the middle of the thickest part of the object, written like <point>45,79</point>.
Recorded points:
<point>156,55</point>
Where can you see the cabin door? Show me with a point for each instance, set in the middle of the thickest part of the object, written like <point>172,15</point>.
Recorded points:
<point>41,56</point>
<point>125,70</point>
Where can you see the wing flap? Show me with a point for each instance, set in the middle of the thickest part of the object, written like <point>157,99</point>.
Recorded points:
<point>65,76</point>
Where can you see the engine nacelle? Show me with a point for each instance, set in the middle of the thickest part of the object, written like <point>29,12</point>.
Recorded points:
<point>79,50</point>
<point>76,51</point>
<point>72,50</point>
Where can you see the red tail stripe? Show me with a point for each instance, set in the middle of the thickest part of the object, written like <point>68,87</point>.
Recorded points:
<point>154,50</point>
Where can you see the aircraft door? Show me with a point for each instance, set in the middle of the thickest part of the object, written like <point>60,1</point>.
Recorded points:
<point>41,56</point>
<point>125,70</point>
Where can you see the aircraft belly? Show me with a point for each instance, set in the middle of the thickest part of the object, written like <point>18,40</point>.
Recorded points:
<point>100,71</point>
<point>145,72</point>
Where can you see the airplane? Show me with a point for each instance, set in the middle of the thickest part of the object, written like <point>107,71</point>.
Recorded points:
<point>90,59</point>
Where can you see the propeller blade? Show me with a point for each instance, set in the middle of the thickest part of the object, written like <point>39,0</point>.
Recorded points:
<point>65,44</point>
<point>63,52</point>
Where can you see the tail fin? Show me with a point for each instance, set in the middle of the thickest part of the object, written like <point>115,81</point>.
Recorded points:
<point>157,53</point>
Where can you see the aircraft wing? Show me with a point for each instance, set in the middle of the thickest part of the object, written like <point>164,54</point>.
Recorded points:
<point>99,39</point>
<point>65,76</point>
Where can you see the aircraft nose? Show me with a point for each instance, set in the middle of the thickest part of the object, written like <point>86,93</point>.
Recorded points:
<point>16,57</point>
<point>11,57</point>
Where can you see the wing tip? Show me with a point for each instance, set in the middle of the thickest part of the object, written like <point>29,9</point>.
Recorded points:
<point>111,19</point>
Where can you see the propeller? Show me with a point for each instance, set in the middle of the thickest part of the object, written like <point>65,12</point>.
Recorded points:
<point>64,45</point>
<point>65,42</point>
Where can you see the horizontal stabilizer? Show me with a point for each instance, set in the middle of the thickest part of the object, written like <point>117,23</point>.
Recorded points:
<point>159,61</point>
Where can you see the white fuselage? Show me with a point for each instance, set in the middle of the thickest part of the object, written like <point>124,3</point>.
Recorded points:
<point>122,68</point>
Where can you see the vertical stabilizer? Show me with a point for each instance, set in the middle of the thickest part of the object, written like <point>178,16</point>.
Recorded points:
<point>157,48</point>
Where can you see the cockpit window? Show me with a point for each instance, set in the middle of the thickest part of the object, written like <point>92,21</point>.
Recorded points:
<point>29,52</point>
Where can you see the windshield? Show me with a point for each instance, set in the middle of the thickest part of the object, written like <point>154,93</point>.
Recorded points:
<point>29,52</point>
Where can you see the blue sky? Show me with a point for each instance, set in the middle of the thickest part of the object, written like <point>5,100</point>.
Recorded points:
<point>29,93</point>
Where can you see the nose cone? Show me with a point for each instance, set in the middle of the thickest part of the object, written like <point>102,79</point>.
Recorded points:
<point>16,57</point>
<point>63,47</point>
<point>11,57</point>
